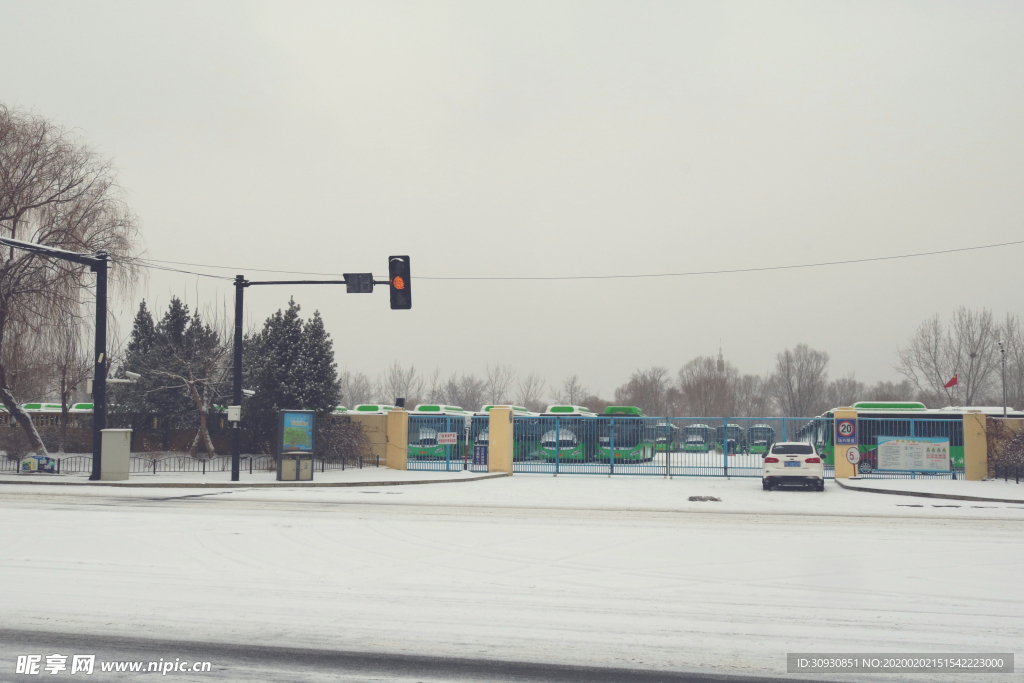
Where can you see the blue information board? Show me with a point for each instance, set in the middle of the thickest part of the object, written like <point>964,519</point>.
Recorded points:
<point>479,455</point>
<point>297,431</point>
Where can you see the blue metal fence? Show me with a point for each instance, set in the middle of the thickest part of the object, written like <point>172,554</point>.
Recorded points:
<point>669,447</point>
<point>426,452</point>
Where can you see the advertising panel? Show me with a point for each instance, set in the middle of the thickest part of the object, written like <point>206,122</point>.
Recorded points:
<point>918,454</point>
<point>297,432</point>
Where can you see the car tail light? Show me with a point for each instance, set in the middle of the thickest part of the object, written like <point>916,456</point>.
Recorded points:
<point>815,460</point>
<point>770,459</point>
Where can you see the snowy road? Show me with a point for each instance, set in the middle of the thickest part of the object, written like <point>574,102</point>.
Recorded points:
<point>575,570</point>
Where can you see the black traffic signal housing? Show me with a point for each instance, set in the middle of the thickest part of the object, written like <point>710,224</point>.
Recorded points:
<point>399,282</point>
<point>358,283</point>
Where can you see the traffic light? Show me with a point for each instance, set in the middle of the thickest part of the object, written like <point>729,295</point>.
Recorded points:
<point>399,282</point>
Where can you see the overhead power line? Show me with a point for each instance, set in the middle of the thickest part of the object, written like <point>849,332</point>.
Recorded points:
<point>242,269</point>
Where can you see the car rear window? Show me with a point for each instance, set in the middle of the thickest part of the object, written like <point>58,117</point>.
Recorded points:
<point>793,449</point>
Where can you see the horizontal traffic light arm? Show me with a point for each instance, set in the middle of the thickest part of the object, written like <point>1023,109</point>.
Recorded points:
<point>306,282</point>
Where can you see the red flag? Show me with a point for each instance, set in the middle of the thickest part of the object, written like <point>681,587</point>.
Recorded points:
<point>952,382</point>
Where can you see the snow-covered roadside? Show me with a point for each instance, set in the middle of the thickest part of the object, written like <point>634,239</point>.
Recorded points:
<point>995,488</point>
<point>365,474</point>
<point>583,570</point>
<point>536,493</point>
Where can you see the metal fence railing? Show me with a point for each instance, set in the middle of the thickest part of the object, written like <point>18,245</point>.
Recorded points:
<point>678,446</point>
<point>80,464</point>
<point>610,445</point>
<point>431,445</point>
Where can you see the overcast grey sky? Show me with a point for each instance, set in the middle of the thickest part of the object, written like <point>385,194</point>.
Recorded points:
<point>551,138</point>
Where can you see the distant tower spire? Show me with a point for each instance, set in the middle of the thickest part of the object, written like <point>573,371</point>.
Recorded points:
<point>721,361</point>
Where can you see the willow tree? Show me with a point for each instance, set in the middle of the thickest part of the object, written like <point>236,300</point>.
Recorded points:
<point>55,191</point>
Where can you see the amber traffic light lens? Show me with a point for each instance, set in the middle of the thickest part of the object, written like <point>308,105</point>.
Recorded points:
<point>398,282</point>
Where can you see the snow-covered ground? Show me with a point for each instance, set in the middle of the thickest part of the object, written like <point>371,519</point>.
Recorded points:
<point>999,488</point>
<point>574,569</point>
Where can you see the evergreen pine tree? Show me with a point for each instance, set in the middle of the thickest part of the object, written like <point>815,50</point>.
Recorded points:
<point>290,365</point>
<point>321,390</point>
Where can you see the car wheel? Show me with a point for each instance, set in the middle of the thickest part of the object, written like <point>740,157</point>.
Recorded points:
<point>765,485</point>
<point>821,486</point>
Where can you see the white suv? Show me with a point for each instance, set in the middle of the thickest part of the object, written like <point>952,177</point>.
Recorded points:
<point>792,463</point>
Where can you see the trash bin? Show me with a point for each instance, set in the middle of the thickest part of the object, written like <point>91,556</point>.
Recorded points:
<point>295,468</point>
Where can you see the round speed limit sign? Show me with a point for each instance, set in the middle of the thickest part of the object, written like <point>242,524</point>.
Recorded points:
<point>853,456</point>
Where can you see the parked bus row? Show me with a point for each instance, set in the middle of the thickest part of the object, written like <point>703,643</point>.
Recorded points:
<point>574,434</point>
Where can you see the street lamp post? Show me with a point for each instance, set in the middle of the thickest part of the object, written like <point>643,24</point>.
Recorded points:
<point>1002,353</point>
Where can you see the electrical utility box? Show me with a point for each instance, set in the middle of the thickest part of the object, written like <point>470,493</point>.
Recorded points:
<point>115,452</point>
<point>296,443</point>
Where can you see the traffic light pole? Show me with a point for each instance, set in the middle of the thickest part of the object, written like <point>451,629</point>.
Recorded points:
<point>356,282</point>
<point>98,263</point>
<point>236,390</point>
<point>99,382</point>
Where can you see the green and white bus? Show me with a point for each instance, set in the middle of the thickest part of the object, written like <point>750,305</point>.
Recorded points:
<point>423,433</point>
<point>573,439</point>
<point>666,437</point>
<point>697,438</point>
<point>524,434</point>
<point>372,409</point>
<point>729,439</point>
<point>760,438</point>
<point>625,436</point>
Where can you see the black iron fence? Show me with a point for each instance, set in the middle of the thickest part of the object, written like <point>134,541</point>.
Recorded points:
<point>80,464</point>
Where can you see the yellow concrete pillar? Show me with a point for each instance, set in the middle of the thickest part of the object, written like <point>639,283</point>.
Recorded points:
<point>398,440</point>
<point>844,469</point>
<point>500,444</point>
<point>975,447</point>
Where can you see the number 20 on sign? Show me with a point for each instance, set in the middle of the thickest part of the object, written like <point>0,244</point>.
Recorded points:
<point>846,432</point>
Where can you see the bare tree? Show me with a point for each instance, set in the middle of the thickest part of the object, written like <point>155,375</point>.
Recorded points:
<point>356,388</point>
<point>800,381</point>
<point>57,192</point>
<point>966,348</point>
<point>753,396</point>
<point>70,360</point>
<point>844,391</point>
<point>891,391</point>
<point>573,391</point>
<point>1013,341</point>
<point>530,392</point>
<point>501,380</point>
<point>399,382</point>
<point>706,391</point>
<point>647,390</point>
<point>466,391</point>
